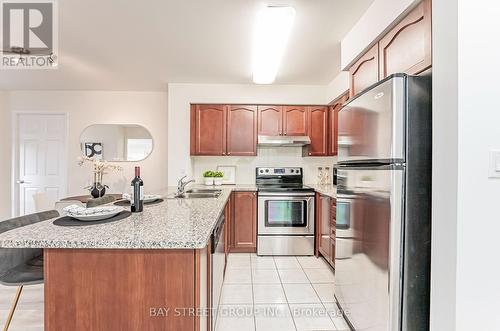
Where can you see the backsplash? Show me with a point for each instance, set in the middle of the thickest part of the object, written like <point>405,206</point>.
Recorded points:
<point>266,157</point>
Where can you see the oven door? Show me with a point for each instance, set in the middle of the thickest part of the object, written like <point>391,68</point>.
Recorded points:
<point>286,214</point>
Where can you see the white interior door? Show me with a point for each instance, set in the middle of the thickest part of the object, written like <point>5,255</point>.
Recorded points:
<point>41,159</point>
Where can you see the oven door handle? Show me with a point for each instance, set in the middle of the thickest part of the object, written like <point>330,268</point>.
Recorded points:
<point>288,198</point>
<point>285,195</point>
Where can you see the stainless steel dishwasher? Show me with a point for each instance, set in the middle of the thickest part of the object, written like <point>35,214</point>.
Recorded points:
<point>217,267</point>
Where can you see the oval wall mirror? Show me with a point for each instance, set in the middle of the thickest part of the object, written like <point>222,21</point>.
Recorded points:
<point>116,142</point>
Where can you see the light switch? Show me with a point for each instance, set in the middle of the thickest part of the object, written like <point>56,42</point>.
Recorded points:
<point>494,164</point>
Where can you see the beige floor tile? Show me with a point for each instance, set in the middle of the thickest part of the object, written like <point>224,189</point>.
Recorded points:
<point>312,262</point>
<point>286,262</point>
<point>235,317</point>
<point>293,276</point>
<point>265,276</point>
<point>268,294</point>
<point>273,318</point>
<point>319,275</point>
<point>263,262</point>
<point>325,291</point>
<point>311,317</point>
<point>300,293</point>
<point>236,294</point>
<point>238,276</point>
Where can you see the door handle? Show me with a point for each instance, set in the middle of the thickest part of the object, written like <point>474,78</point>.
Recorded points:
<point>21,181</point>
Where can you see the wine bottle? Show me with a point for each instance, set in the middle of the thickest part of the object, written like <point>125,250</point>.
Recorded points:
<point>137,199</point>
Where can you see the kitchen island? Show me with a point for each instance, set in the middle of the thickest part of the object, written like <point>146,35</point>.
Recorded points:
<point>150,271</point>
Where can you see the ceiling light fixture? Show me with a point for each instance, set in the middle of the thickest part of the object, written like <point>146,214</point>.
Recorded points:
<point>273,29</point>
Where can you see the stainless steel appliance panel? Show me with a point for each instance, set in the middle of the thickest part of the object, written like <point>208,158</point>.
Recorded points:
<point>368,272</point>
<point>371,126</point>
<point>285,213</point>
<point>218,266</point>
<point>285,245</point>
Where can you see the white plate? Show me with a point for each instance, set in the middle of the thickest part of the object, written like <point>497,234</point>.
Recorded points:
<point>151,197</point>
<point>97,216</point>
<point>147,197</point>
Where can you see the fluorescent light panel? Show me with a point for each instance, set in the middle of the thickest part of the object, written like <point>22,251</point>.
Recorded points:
<point>273,29</point>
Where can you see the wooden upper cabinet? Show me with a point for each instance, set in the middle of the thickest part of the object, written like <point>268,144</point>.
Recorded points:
<point>333,124</point>
<point>407,47</point>
<point>244,222</point>
<point>270,120</point>
<point>318,131</point>
<point>208,130</point>
<point>333,128</point>
<point>295,121</point>
<point>242,130</point>
<point>365,71</point>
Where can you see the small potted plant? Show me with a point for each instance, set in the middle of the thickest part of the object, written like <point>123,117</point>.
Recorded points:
<point>218,175</point>
<point>208,177</point>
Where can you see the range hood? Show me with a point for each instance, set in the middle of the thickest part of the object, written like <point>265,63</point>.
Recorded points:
<point>283,141</point>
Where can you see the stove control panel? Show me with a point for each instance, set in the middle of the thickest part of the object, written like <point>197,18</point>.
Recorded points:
<point>279,171</point>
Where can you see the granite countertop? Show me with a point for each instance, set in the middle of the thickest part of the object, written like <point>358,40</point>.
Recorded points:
<point>328,189</point>
<point>172,224</point>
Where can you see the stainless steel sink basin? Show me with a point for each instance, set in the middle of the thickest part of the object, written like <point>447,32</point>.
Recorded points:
<point>204,190</point>
<point>197,195</point>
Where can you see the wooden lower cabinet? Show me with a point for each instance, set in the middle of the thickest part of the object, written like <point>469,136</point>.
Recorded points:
<point>325,231</point>
<point>243,222</point>
<point>126,289</point>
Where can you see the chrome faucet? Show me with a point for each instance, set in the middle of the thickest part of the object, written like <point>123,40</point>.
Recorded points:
<point>181,185</point>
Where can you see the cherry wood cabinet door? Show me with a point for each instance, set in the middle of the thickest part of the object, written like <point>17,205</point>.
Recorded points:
<point>365,71</point>
<point>318,131</point>
<point>228,225</point>
<point>295,121</point>
<point>270,120</point>
<point>242,130</point>
<point>333,124</point>
<point>333,230</point>
<point>324,243</point>
<point>244,222</point>
<point>407,47</point>
<point>208,130</point>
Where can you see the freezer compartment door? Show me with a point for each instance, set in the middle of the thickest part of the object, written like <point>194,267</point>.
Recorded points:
<point>368,268</point>
<point>371,127</point>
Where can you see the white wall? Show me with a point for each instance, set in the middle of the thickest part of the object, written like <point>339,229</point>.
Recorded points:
<point>478,270</point>
<point>376,21</point>
<point>445,165</point>
<point>338,86</point>
<point>84,108</point>
<point>266,157</point>
<point>181,95</point>
<point>5,152</point>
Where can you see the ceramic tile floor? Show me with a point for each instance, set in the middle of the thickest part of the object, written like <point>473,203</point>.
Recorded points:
<point>259,294</point>
<point>278,293</point>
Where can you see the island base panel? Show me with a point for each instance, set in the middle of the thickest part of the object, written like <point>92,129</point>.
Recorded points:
<point>93,289</point>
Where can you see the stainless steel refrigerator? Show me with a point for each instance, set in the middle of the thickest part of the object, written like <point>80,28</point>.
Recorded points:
<point>382,262</point>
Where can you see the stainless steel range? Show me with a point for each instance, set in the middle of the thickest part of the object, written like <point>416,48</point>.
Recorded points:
<point>285,212</point>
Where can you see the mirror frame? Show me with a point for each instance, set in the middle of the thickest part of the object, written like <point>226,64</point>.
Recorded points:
<point>118,124</point>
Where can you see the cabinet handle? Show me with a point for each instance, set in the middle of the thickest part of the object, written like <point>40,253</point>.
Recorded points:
<point>285,133</point>
<point>223,153</point>
<point>310,153</point>
<point>228,153</point>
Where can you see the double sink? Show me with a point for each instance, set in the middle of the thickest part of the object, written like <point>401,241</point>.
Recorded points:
<point>197,193</point>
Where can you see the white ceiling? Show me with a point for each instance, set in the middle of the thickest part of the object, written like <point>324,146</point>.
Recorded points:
<point>142,45</point>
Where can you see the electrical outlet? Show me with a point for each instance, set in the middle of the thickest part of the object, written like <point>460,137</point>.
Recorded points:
<point>494,169</point>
